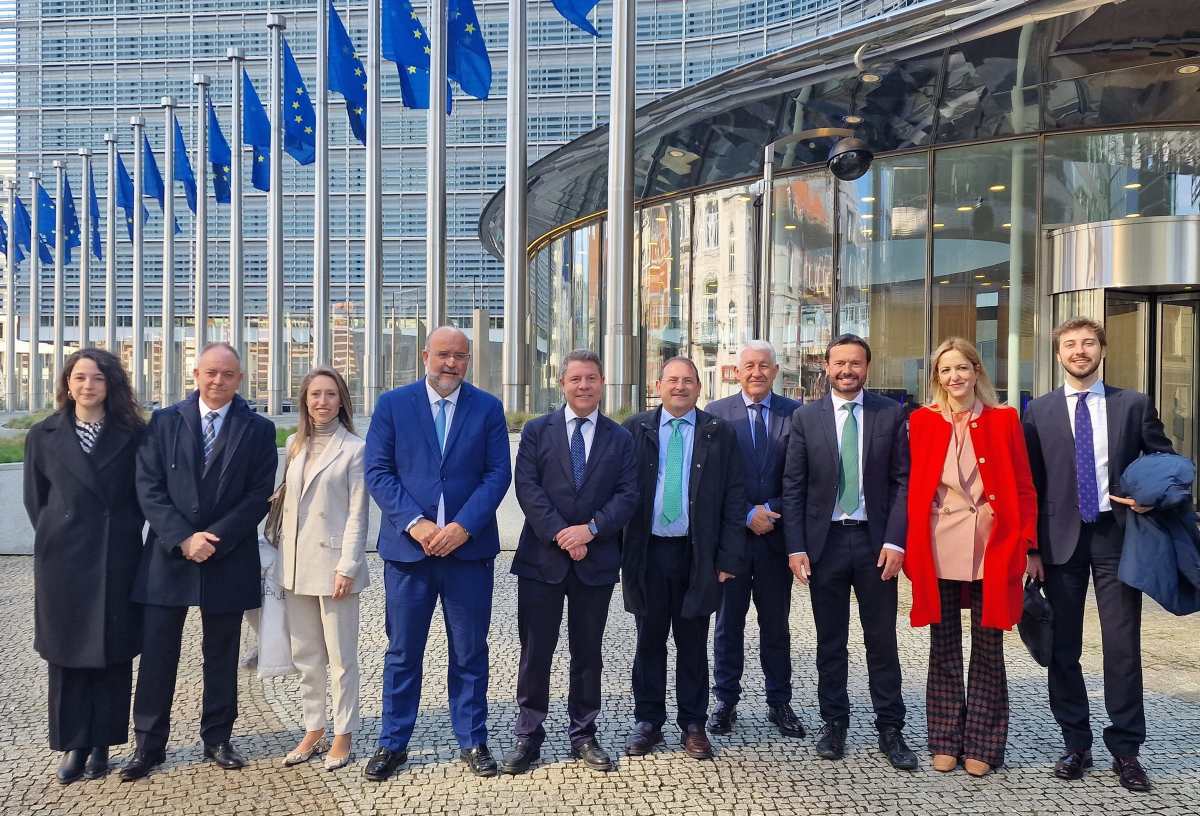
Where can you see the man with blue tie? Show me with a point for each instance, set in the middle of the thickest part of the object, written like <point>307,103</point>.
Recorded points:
<point>763,424</point>
<point>684,540</point>
<point>576,480</point>
<point>437,464</point>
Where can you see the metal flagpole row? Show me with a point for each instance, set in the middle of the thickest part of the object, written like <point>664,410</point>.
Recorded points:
<point>35,297</point>
<point>320,295</point>
<point>85,248</point>
<point>275,373</point>
<point>60,248</point>
<point>200,169</point>
<point>10,297</point>
<point>138,373</point>
<point>167,383</point>
<point>236,320</point>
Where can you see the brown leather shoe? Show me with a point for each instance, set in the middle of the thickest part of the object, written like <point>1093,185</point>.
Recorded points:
<point>1132,774</point>
<point>643,739</point>
<point>695,742</point>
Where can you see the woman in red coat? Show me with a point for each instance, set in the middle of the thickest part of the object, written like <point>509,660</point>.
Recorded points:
<point>972,517</point>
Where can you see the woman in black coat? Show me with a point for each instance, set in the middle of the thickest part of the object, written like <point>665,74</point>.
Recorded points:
<point>80,496</point>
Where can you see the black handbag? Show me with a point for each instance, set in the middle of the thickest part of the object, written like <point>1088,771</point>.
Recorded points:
<point>1037,623</point>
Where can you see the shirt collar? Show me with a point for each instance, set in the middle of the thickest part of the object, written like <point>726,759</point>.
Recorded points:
<point>434,396</point>
<point>689,418</point>
<point>1096,388</point>
<point>222,412</point>
<point>838,402</point>
<point>766,401</point>
<point>570,415</point>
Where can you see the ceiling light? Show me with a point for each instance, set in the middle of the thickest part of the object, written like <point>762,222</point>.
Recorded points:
<point>1006,226</point>
<point>744,197</point>
<point>985,283</point>
<point>870,78</point>
<point>789,226</point>
<point>853,119</point>
<point>938,225</point>
<point>965,208</point>
<point>867,215</point>
<point>677,153</point>
<point>662,219</point>
<point>868,199</point>
<point>1134,215</point>
<point>1188,69</point>
<point>864,289</point>
<point>980,277</point>
<point>1133,185</point>
<point>997,188</point>
<point>944,280</point>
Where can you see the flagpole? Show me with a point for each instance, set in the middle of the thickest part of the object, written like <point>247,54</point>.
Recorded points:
<point>276,23</point>
<point>85,249</point>
<point>515,232</point>
<point>373,294</point>
<point>235,57</point>
<point>320,294</point>
<point>435,178</point>
<point>618,338</point>
<point>200,170</point>
<point>110,248</point>
<point>167,387</point>
<point>35,296</point>
<point>60,248</point>
<point>139,330</point>
<point>10,299</point>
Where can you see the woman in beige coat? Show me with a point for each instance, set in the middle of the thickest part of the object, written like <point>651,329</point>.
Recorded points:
<point>322,552</point>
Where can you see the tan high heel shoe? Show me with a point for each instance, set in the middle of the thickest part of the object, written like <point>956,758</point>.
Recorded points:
<point>976,768</point>
<point>300,757</point>
<point>944,763</point>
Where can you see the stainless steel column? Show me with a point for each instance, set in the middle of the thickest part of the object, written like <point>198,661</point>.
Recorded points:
<point>275,350</point>
<point>767,212</point>
<point>236,320</point>
<point>481,349</point>
<point>35,297</point>
<point>60,252</point>
<point>516,284</point>
<point>10,299</point>
<point>200,169</point>
<point>373,293</point>
<point>320,292</point>
<point>435,180</point>
<point>167,371</point>
<point>85,248</point>
<point>618,271</point>
<point>138,374</point>
<point>110,247</point>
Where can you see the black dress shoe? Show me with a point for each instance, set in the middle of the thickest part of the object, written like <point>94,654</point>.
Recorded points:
<point>141,763</point>
<point>97,763</point>
<point>70,767</point>
<point>479,759</point>
<point>225,756</point>
<point>383,763</point>
<point>891,743</point>
<point>1132,774</point>
<point>593,756</point>
<point>721,721</point>
<point>695,742</point>
<point>785,720</point>
<point>523,754</point>
<point>643,739</point>
<point>831,741</point>
<point>1072,764</point>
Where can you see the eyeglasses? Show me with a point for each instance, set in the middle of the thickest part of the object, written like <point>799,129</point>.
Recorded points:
<point>457,356</point>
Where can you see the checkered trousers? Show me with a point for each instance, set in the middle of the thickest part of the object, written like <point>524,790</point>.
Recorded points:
<point>975,727</point>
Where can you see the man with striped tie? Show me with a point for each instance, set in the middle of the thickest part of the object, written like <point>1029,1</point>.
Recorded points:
<point>205,471</point>
<point>685,539</point>
<point>576,481</point>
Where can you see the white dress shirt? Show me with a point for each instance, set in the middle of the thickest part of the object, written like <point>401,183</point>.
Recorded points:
<point>1097,406</point>
<point>839,419</point>
<point>451,402</point>
<point>222,412</point>
<point>766,413</point>
<point>589,428</point>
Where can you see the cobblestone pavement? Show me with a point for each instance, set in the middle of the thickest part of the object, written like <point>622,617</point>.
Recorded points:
<point>756,770</point>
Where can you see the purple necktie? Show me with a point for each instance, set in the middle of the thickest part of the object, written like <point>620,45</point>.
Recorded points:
<point>1085,462</point>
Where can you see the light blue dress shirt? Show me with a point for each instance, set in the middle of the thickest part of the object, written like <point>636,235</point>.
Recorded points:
<point>678,527</point>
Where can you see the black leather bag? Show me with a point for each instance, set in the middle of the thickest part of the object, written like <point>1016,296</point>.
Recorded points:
<point>1037,623</point>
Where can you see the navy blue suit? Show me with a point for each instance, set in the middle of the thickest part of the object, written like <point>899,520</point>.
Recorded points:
<point>406,474</point>
<point>767,579</point>
<point>547,576</point>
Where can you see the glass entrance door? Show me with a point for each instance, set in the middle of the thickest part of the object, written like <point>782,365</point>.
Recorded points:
<point>1177,374</point>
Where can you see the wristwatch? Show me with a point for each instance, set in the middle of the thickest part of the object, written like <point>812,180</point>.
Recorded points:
<point>592,528</point>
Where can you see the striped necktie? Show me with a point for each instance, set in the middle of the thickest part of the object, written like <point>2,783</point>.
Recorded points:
<point>210,435</point>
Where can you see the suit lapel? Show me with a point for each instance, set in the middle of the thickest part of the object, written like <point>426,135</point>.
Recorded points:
<point>869,407</point>
<point>81,463</point>
<point>556,427</point>
<point>332,449</point>
<point>236,422</point>
<point>706,426</point>
<point>424,415</point>
<point>745,434</point>
<point>462,412</point>
<point>1114,418</point>
<point>112,441</point>
<point>189,427</point>
<point>600,439</point>
<point>829,426</point>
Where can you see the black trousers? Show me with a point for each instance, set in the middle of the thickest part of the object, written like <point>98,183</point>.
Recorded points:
<point>162,639</point>
<point>539,616</point>
<point>1120,609</point>
<point>849,562</point>
<point>668,564</point>
<point>89,708</point>
<point>769,584</point>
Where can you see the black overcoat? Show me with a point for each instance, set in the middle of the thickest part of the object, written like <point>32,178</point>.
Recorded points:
<point>87,543</point>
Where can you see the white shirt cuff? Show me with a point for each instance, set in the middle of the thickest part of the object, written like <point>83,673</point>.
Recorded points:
<point>413,523</point>
<point>893,547</point>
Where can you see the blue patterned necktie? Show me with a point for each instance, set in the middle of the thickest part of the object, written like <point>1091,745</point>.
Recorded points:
<point>758,430</point>
<point>578,452</point>
<point>672,498</point>
<point>210,435</point>
<point>1085,462</point>
<point>439,424</point>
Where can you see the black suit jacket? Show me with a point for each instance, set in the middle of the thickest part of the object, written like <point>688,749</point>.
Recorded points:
<point>1133,429</point>
<point>763,485</point>
<point>716,512</point>
<point>168,487</point>
<point>545,487</point>
<point>811,475</point>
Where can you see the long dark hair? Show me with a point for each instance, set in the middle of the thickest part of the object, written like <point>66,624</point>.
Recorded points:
<point>119,401</point>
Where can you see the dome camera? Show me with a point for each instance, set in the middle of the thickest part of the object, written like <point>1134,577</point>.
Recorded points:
<point>850,159</point>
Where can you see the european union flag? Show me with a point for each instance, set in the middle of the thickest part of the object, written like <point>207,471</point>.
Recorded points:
<point>94,211</point>
<point>45,236</point>
<point>466,55</point>
<point>152,180</point>
<point>20,256</point>
<point>405,42</point>
<point>183,168</point>
<point>576,12</point>
<point>256,132</point>
<point>125,196</point>
<point>220,156</point>
<point>70,220</point>
<point>21,226</point>
<point>299,118</point>
<point>347,75</point>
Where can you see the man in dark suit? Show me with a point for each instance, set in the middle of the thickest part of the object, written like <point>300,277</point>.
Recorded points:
<point>206,469</point>
<point>437,464</point>
<point>576,480</point>
<point>684,540</point>
<point>844,514</point>
<point>763,424</point>
<point>1081,437</point>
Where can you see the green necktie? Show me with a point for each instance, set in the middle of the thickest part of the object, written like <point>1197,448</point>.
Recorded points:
<point>848,498</point>
<point>672,502</point>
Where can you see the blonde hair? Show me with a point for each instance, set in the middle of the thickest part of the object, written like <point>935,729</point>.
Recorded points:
<point>985,392</point>
<point>345,411</point>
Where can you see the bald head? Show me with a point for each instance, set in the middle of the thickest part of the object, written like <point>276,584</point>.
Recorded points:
<point>447,354</point>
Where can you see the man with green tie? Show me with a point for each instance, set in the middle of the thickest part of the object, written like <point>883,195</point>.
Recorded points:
<point>685,539</point>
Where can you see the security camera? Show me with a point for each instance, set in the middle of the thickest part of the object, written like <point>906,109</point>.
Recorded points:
<point>850,159</point>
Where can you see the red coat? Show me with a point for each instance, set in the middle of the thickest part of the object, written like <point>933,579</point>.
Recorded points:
<point>1008,485</point>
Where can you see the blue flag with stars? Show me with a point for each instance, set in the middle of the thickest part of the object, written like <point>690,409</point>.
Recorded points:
<point>70,220</point>
<point>219,156</point>
<point>45,236</point>
<point>299,118</point>
<point>256,132</point>
<point>94,211</point>
<point>403,40</point>
<point>17,253</point>
<point>152,180</point>
<point>466,56</point>
<point>576,12</point>
<point>125,196</point>
<point>183,168</point>
<point>347,75</point>
<point>21,226</point>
